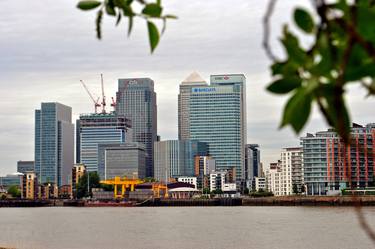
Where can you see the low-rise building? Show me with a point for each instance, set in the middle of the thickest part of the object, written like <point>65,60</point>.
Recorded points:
<point>188,179</point>
<point>78,171</point>
<point>29,186</point>
<point>10,180</point>
<point>260,183</point>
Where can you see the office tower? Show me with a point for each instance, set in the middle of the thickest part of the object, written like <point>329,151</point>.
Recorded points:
<point>330,166</point>
<point>24,166</point>
<point>54,143</point>
<point>136,99</point>
<point>124,160</point>
<point>99,128</point>
<point>218,117</point>
<point>252,163</point>
<point>193,80</point>
<point>174,158</point>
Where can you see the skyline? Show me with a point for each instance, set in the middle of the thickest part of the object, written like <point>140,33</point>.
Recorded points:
<point>33,70</point>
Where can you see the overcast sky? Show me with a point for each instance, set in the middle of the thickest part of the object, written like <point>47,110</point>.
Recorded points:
<point>46,47</point>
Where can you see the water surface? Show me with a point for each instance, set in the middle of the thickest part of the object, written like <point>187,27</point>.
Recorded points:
<point>184,227</point>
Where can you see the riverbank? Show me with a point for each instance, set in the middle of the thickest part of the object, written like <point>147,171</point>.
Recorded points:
<point>245,201</point>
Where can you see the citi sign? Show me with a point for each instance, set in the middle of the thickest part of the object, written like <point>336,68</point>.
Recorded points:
<point>203,90</point>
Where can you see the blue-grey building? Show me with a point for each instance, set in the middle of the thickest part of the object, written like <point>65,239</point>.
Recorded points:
<point>25,166</point>
<point>252,162</point>
<point>54,143</point>
<point>174,158</point>
<point>99,128</point>
<point>217,115</point>
<point>10,180</point>
<point>127,159</point>
<point>136,99</point>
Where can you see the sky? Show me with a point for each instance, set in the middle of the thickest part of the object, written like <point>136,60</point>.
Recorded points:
<point>46,47</point>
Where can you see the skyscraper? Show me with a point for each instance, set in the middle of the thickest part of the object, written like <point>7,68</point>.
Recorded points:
<point>193,80</point>
<point>101,128</point>
<point>136,99</point>
<point>177,157</point>
<point>252,163</point>
<point>54,143</point>
<point>217,116</point>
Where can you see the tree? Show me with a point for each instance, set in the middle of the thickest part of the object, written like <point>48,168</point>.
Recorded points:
<point>14,191</point>
<point>303,189</point>
<point>295,189</point>
<point>82,190</point>
<point>124,8</point>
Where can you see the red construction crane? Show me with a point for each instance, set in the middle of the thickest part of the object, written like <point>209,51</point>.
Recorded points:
<point>103,95</point>
<point>96,102</point>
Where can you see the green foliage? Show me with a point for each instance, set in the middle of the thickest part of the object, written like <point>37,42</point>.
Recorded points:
<point>343,52</point>
<point>295,189</point>
<point>124,8</point>
<point>261,193</point>
<point>206,191</point>
<point>14,191</point>
<point>246,191</point>
<point>149,179</point>
<point>82,190</point>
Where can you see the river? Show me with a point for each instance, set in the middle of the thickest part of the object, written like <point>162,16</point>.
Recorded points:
<point>184,227</point>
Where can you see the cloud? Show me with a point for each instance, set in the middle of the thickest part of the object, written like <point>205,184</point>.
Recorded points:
<point>47,48</point>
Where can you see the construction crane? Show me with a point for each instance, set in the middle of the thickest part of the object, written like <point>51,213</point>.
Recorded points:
<point>103,95</point>
<point>96,102</point>
<point>113,104</point>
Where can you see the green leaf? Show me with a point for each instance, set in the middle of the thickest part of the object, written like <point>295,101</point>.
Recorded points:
<point>291,45</point>
<point>304,20</point>
<point>88,4</point>
<point>130,25</point>
<point>284,85</point>
<point>152,9</point>
<point>118,18</point>
<point>98,22</point>
<point>153,35</point>
<point>110,8</point>
<point>297,110</point>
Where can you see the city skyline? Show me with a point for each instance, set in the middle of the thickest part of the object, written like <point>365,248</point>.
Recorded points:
<point>32,71</point>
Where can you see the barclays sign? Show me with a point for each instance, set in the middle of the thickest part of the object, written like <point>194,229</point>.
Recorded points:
<point>203,90</point>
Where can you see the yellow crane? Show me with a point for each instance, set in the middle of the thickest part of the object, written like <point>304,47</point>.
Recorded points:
<point>124,183</point>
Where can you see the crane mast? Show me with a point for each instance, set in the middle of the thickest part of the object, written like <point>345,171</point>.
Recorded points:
<point>103,95</point>
<point>96,102</point>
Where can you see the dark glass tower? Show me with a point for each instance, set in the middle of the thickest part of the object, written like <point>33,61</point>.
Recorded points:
<point>136,99</point>
<point>54,143</point>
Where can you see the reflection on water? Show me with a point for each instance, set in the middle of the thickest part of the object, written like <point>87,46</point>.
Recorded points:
<point>184,227</point>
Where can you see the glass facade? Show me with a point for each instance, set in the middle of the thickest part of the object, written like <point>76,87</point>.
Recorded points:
<point>252,162</point>
<point>218,117</point>
<point>136,99</point>
<point>54,142</point>
<point>329,165</point>
<point>174,158</point>
<point>25,166</point>
<point>96,129</point>
<point>128,159</point>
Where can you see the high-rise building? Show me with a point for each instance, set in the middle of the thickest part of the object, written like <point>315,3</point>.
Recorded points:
<point>136,99</point>
<point>54,143</point>
<point>291,171</point>
<point>128,159</point>
<point>24,166</point>
<point>330,166</point>
<point>217,116</point>
<point>193,80</point>
<point>174,158</point>
<point>252,163</point>
<point>95,129</point>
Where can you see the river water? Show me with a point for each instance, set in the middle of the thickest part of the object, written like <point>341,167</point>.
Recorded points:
<point>184,227</point>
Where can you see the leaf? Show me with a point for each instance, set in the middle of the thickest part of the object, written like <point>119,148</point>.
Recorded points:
<point>118,18</point>
<point>152,9</point>
<point>99,18</point>
<point>153,35</point>
<point>291,45</point>
<point>88,4</point>
<point>109,8</point>
<point>304,20</point>
<point>297,110</point>
<point>284,85</point>
<point>130,25</point>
